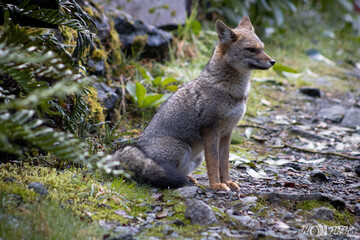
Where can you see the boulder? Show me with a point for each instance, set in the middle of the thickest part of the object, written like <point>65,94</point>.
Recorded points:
<point>134,33</point>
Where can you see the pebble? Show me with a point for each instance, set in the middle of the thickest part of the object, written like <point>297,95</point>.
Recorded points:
<point>318,176</point>
<point>38,188</point>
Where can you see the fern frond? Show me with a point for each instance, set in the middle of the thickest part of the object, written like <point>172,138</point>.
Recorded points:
<point>20,125</point>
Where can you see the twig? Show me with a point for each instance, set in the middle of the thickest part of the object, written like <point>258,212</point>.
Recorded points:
<point>122,104</point>
<point>318,152</point>
<point>49,163</point>
<point>268,129</point>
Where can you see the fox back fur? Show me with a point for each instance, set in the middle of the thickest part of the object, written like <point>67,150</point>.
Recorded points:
<point>199,118</point>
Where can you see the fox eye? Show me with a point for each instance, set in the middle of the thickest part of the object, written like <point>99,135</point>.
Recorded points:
<point>251,49</point>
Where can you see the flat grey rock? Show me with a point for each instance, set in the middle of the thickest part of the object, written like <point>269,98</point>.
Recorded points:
<point>187,192</point>
<point>334,113</point>
<point>351,118</point>
<point>323,213</point>
<point>199,212</point>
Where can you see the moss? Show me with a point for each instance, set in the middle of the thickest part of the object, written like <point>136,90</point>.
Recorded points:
<point>343,218</point>
<point>98,54</point>
<point>96,110</point>
<point>138,44</point>
<point>312,204</point>
<point>261,208</point>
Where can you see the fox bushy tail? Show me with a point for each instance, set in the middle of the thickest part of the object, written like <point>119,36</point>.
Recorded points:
<point>147,170</point>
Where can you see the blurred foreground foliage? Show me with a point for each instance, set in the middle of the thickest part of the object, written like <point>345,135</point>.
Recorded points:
<point>271,15</point>
<point>43,84</point>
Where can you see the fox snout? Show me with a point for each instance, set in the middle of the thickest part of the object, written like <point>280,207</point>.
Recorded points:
<point>261,61</point>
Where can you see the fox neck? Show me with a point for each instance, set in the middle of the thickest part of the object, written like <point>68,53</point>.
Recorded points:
<point>222,75</point>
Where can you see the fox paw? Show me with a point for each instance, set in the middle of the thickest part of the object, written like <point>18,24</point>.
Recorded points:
<point>219,187</point>
<point>234,186</point>
<point>192,180</point>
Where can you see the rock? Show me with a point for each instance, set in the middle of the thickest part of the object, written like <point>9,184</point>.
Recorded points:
<point>38,188</point>
<point>178,222</point>
<point>103,27</point>
<point>97,67</point>
<point>357,209</point>
<point>351,118</point>
<point>288,216</point>
<point>249,199</point>
<point>318,176</point>
<point>127,230</point>
<point>293,165</point>
<point>323,213</point>
<point>107,95</point>
<point>156,12</point>
<point>357,170</point>
<point>133,31</point>
<point>187,192</point>
<point>154,238</point>
<point>167,230</point>
<point>311,91</point>
<point>174,235</point>
<point>335,201</point>
<point>199,212</point>
<point>247,221</point>
<point>9,179</point>
<point>124,236</point>
<point>306,134</point>
<point>354,73</point>
<point>334,113</point>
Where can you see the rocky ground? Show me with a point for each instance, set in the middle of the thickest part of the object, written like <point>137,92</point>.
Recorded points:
<point>296,162</point>
<point>298,169</point>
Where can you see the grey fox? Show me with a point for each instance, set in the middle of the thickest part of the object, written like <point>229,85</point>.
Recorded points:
<point>199,118</point>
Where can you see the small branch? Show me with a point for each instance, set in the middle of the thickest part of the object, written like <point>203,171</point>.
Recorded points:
<point>123,92</point>
<point>318,152</point>
<point>268,129</point>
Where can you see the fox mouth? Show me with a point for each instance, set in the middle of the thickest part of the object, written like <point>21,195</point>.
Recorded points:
<point>259,67</point>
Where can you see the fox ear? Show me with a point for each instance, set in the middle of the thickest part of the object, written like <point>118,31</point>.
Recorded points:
<point>226,35</point>
<point>246,24</point>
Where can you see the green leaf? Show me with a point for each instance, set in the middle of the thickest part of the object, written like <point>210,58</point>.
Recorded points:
<point>168,80</point>
<point>196,27</point>
<point>151,100</point>
<point>283,68</point>
<point>236,139</point>
<point>172,88</point>
<point>145,73</point>
<point>140,93</point>
<point>131,88</point>
<point>157,81</point>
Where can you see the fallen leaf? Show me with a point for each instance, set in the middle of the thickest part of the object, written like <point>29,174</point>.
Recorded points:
<point>255,174</point>
<point>281,225</point>
<point>248,132</point>
<point>162,214</point>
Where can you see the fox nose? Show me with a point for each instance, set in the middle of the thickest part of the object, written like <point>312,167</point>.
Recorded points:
<point>272,62</point>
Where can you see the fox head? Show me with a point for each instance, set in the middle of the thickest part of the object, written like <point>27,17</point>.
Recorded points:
<point>241,48</point>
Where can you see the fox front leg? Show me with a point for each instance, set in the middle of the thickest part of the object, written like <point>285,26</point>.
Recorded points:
<point>211,145</point>
<point>224,147</point>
